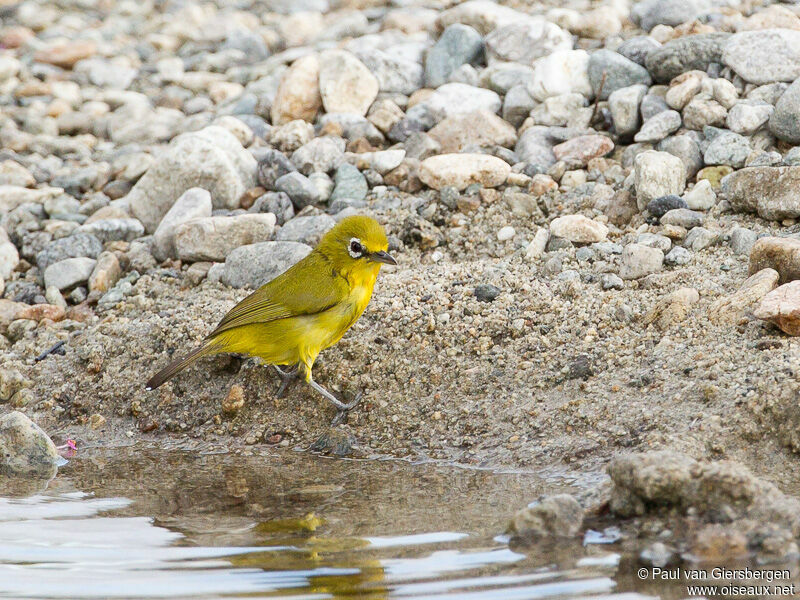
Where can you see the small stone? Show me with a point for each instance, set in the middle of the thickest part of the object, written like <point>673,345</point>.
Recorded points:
<point>781,306</point>
<point>462,170</point>
<point>526,40</point>
<point>298,95</point>
<point>299,188</point>
<point>459,44</point>
<point>783,122</point>
<point>234,400</point>
<point>703,111</point>
<point>562,72</point>
<point>112,230</point>
<point>672,308</point>
<point>25,449</point>
<point>256,264</point>
<point>66,54</point>
<point>551,516</point>
<point>345,84</point>
<point>308,230</point>
<point>578,229</point>
<point>649,13</point>
<point>659,126</point>
<point>213,238</point>
<point>609,281</point>
<point>506,233</point>
<point>452,99</point>
<point>764,56</point>
<point>272,165</point>
<point>479,128</point>
<point>700,238</point>
<point>68,273</point>
<point>683,217</point>
<point>538,244</point>
<point>779,253</point>
<point>350,184</point>
<point>658,207</point>
<point>582,149</point>
<point>657,174</point>
<point>653,240</point>
<point>748,116</point>
<point>106,272</point>
<point>292,135</point>
<point>323,154</point>
<point>691,52</point>
<point>727,148</point>
<point>678,256</point>
<point>639,260</point>
<point>683,88</point>
<point>701,196</point>
<point>733,308</point>
<point>486,292</point>
<point>658,555</point>
<point>13,173</point>
<point>725,93</point>
<point>769,191</point>
<point>624,105</point>
<point>194,203</point>
<point>714,175</point>
<point>610,71</point>
<point>742,240</point>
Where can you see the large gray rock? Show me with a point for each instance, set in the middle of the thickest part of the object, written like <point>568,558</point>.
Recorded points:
<point>765,55</point>
<point>194,203</point>
<point>308,230</point>
<point>649,13</point>
<point>69,272</point>
<point>256,264</point>
<point>111,230</point>
<point>211,158</point>
<point>784,123</point>
<point>459,44</point>
<point>688,53</point>
<point>609,71</point>
<point>25,449</point>
<point>769,191</point>
<point>77,244</point>
<point>213,238</point>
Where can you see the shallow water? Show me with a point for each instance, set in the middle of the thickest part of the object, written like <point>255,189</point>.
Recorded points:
<point>138,523</point>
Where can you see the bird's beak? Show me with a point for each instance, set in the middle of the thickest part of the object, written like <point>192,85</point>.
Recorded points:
<point>382,257</point>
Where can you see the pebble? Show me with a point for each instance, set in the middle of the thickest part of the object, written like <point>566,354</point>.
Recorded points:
<point>610,281</point>
<point>764,56</point>
<point>562,72</point>
<point>742,240</point>
<point>687,53</point>
<point>733,308</point>
<point>658,127</point>
<point>748,116</point>
<point>68,273</point>
<point>649,13</point>
<point>769,191</point>
<point>783,122</point>
<point>111,230</point>
<point>580,150</point>
<point>727,148</point>
<point>211,158</point>
<point>639,260</point>
<point>307,230</point>
<point>610,71</point>
<point>578,229</point>
<point>701,196</point>
<point>299,188</point>
<point>559,516</point>
<point>538,244</point>
<point>700,238</point>
<point>76,245</point>
<point>779,253</point>
<point>453,99</point>
<point>462,170</point>
<point>526,40</point>
<point>678,256</point>
<point>458,45</point>
<point>213,238</point>
<point>298,95</point>
<point>107,271</point>
<point>683,217</point>
<point>653,240</point>
<point>345,84</point>
<point>480,128</point>
<point>320,155</point>
<point>272,165</point>
<point>658,207</point>
<point>25,448</point>
<point>254,265</point>
<point>657,174</point>
<point>194,203</point>
<point>486,292</point>
<point>624,105</point>
<point>781,306</point>
<point>506,233</point>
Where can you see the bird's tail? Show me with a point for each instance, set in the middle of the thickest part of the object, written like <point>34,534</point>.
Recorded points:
<point>179,364</point>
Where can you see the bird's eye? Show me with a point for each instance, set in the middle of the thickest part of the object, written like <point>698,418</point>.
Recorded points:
<point>356,249</point>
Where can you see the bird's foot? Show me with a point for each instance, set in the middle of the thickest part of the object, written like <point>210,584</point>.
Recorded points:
<point>287,379</point>
<point>344,410</point>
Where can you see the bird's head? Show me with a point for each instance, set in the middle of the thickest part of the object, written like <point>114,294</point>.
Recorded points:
<point>356,244</point>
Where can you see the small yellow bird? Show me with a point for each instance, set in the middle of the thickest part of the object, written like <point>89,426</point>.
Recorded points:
<point>308,308</point>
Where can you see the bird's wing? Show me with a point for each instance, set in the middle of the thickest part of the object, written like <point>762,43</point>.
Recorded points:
<point>309,287</point>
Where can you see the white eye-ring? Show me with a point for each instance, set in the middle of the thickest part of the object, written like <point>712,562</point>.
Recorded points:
<point>355,248</point>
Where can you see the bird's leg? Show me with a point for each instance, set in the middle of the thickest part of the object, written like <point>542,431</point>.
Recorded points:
<point>343,408</point>
<point>287,379</point>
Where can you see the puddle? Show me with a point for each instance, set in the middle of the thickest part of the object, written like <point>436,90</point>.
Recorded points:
<point>134,523</point>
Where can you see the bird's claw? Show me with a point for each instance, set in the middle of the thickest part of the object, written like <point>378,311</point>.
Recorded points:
<point>287,379</point>
<point>344,410</point>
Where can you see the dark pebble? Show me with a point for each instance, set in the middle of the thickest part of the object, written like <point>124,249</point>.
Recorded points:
<point>486,292</point>
<point>661,206</point>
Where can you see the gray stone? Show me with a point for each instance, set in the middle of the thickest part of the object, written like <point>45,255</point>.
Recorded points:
<point>657,174</point>
<point>194,203</point>
<point>25,449</point>
<point>700,238</point>
<point>610,281</point>
<point>764,159</point>
<point>658,207</point>
<point>769,191</point>
<point>784,123</point>
<point>299,188</point>
<point>619,72</point>
<point>211,158</point>
<point>272,165</point>
<point>350,184</point>
<point>308,230</point>
<point>111,230</point>
<point>792,157</point>
<point>9,257</point>
<point>748,116</point>
<point>687,53</point>
<point>459,44</point>
<point>659,126</point>
<point>517,105</point>
<point>727,148</point>
<point>685,148</point>
<point>683,217</point>
<point>551,516</point>
<point>453,99</point>
<point>323,154</point>
<point>703,111</point>
<point>346,84</point>
<point>395,74</point>
<point>213,238</point>
<point>637,48</point>
<point>678,256</point>
<point>653,240</point>
<point>742,240</point>
<point>639,260</point>
<point>765,55</point>
<point>525,41</point>
<point>256,264</point>
<point>277,203</point>
<point>649,13</point>
<point>78,244</point>
<point>653,104</point>
<point>624,105</point>
<point>68,273</point>
<point>535,147</point>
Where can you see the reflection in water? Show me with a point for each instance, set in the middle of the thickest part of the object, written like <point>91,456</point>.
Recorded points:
<point>129,523</point>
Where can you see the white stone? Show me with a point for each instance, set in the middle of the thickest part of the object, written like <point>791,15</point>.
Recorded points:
<point>194,203</point>
<point>506,233</point>
<point>578,229</point>
<point>657,174</point>
<point>345,83</point>
<point>701,196</point>
<point>562,72</point>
